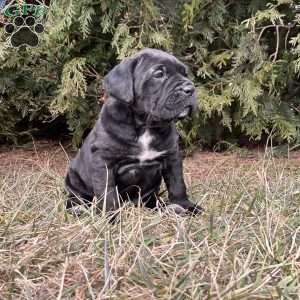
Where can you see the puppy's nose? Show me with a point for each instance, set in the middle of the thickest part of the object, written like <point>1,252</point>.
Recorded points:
<point>188,89</point>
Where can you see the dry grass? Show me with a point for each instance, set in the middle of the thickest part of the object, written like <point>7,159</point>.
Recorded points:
<point>245,246</point>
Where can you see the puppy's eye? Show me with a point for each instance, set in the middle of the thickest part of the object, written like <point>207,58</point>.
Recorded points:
<point>158,74</point>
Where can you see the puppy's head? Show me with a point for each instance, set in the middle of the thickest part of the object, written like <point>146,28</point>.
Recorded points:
<point>155,83</point>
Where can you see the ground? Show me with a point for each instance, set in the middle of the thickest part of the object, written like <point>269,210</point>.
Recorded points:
<point>246,245</point>
<point>200,165</point>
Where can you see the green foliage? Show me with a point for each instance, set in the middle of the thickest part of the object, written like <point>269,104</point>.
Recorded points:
<point>246,67</point>
<point>244,58</point>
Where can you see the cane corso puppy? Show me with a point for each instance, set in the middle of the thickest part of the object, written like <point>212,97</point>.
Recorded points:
<point>134,144</point>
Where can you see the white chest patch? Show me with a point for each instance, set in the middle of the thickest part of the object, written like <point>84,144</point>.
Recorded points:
<point>146,152</point>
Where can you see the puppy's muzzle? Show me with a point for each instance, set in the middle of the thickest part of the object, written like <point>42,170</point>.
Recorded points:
<point>187,90</point>
<point>183,100</point>
<point>182,95</point>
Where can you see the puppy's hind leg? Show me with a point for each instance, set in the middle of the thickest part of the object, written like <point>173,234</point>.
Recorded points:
<point>151,199</point>
<point>74,204</point>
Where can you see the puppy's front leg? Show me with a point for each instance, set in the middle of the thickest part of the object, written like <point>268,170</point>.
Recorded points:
<point>173,177</point>
<point>104,185</point>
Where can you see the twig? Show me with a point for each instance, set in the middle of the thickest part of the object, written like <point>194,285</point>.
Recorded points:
<point>273,26</point>
<point>87,281</point>
<point>286,38</point>
<point>62,280</point>
<point>107,271</point>
<point>65,152</point>
<point>275,54</point>
<point>263,29</point>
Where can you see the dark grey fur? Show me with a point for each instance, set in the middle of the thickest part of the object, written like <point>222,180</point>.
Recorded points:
<point>146,92</point>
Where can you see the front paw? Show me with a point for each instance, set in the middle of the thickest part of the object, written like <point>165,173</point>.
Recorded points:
<point>106,205</point>
<point>185,207</point>
<point>195,210</point>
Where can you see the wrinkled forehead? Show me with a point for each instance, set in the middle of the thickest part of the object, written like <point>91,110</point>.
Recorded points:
<point>151,57</point>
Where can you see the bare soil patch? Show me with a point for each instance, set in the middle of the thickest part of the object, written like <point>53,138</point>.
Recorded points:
<point>197,167</point>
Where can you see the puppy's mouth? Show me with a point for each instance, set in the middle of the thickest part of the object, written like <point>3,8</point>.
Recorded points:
<point>184,114</point>
<point>174,115</point>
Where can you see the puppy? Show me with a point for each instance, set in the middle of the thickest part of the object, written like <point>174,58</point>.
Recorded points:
<point>134,144</point>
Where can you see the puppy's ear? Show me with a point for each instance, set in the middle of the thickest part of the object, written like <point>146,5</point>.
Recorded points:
<point>118,83</point>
